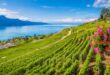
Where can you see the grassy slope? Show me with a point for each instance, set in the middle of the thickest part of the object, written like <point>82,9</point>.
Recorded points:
<point>29,47</point>
<point>57,59</point>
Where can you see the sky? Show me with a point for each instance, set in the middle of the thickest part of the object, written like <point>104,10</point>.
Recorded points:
<point>53,10</point>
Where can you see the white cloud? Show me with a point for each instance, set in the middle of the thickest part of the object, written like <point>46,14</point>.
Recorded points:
<point>101,3</point>
<point>4,11</point>
<point>73,20</point>
<point>12,14</point>
<point>78,20</point>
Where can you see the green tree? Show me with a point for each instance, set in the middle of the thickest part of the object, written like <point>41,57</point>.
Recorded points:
<point>104,13</point>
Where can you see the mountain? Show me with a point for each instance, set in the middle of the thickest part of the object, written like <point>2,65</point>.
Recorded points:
<point>4,21</point>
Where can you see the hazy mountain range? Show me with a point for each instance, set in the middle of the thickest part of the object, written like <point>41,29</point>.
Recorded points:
<point>5,21</point>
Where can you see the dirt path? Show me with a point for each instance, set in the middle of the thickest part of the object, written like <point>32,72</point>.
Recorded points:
<point>69,33</point>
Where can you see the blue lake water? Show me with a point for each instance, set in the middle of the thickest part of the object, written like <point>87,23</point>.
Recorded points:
<point>15,31</point>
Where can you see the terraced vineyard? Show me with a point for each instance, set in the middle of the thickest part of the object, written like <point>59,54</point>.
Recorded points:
<point>65,53</point>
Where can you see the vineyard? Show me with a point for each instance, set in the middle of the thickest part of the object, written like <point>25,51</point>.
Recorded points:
<point>67,52</point>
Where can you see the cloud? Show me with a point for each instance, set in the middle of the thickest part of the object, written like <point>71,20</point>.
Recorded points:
<point>101,3</point>
<point>73,20</point>
<point>11,14</point>
<point>4,11</point>
<point>78,20</point>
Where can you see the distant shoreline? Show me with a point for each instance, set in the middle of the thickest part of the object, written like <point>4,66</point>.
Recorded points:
<point>30,30</point>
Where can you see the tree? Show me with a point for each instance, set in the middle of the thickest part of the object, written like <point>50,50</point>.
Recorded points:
<point>104,13</point>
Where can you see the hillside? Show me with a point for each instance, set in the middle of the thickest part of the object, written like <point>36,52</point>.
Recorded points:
<point>4,21</point>
<point>65,53</point>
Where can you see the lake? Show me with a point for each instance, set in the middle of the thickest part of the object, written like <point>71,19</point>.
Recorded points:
<point>15,31</point>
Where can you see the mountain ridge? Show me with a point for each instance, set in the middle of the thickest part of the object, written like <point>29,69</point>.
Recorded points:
<point>5,21</point>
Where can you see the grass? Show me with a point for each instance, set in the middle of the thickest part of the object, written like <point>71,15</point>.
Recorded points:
<point>70,56</point>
